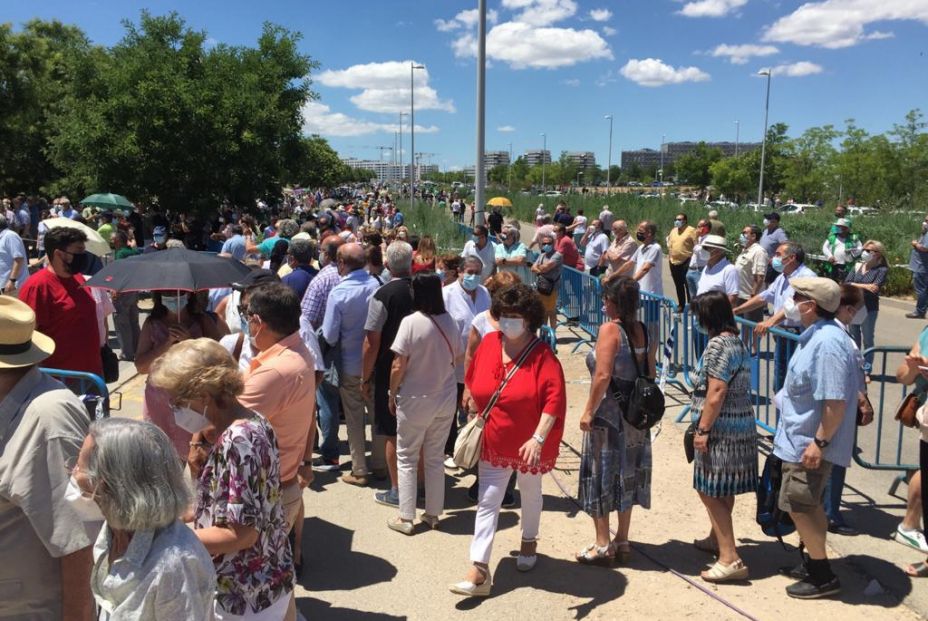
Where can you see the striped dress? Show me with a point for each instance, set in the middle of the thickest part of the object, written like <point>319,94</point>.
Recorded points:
<point>730,466</point>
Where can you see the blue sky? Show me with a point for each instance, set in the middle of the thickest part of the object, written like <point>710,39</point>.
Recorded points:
<point>679,68</point>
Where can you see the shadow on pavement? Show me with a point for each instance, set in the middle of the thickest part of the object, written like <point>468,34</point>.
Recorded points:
<point>312,608</point>
<point>892,578</point>
<point>324,540</point>
<point>597,585</point>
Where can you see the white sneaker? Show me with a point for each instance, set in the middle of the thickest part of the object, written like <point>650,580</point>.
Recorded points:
<point>913,538</point>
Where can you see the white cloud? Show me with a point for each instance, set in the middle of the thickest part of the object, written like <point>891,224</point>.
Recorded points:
<point>572,82</point>
<point>797,70</point>
<point>609,31</point>
<point>385,87</point>
<point>740,54</point>
<point>841,23</point>
<point>655,72</point>
<point>711,8</point>
<point>600,15</point>
<point>465,19</point>
<point>541,12</point>
<point>319,119</point>
<point>505,129</point>
<point>528,39</point>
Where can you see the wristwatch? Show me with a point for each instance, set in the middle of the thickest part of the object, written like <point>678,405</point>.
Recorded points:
<point>821,443</point>
<point>702,432</point>
<point>538,438</point>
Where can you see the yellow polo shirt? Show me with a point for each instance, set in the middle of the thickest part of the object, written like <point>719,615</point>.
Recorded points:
<point>680,244</point>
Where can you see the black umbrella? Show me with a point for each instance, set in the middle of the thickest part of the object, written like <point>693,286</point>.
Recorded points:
<point>176,269</point>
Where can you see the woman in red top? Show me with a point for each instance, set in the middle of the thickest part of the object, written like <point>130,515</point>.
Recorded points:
<point>523,430</point>
<point>423,259</point>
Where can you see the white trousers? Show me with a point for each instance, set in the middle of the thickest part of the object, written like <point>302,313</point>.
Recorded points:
<point>422,424</point>
<point>493,482</point>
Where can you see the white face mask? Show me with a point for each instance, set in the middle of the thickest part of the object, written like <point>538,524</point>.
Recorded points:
<point>791,309</point>
<point>86,508</point>
<point>865,256</point>
<point>189,420</point>
<point>702,255</point>
<point>512,327</point>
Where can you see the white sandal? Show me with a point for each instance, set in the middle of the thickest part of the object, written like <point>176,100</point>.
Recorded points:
<point>720,572</point>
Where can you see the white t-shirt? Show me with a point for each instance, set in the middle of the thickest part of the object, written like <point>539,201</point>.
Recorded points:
<point>306,333</point>
<point>482,324</point>
<point>723,276</point>
<point>580,221</point>
<point>431,371</point>
<point>487,254</point>
<point>652,282</point>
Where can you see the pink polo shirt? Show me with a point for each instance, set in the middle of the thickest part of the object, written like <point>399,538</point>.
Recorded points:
<point>281,387</point>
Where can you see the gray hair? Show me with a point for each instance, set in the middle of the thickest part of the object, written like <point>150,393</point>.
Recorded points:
<point>399,258</point>
<point>174,243</point>
<point>513,232</point>
<point>302,250</point>
<point>472,258</point>
<point>137,473</point>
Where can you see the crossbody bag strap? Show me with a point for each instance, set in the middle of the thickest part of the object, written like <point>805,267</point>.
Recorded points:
<point>522,357</point>
<point>447,342</point>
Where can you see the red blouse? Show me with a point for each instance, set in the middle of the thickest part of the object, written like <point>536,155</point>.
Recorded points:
<point>538,386</point>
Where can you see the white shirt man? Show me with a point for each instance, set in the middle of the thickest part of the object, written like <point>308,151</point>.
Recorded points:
<point>648,260</point>
<point>596,246</point>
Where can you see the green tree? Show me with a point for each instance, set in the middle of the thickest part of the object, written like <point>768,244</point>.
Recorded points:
<point>160,117</point>
<point>38,66</point>
<point>733,177</point>
<point>693,167</point>
<point>808,164</point>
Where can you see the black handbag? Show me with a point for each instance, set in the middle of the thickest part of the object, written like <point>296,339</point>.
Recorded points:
<point>689,441</point>
<point>544,285</point>
<point>646,401</point>
<point>110,364</point>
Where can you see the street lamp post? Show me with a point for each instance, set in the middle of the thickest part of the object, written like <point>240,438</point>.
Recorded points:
<point>544,148</point>
<point>412,132</point>
<point>609,158</point>
<point>509,182</point>
<point>402,172</point>
<point>480,178</point>
<point>660,172</point>
<point>737,136</point>
<point>763,145</point>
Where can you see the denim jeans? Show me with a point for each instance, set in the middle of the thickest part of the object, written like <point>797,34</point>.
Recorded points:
<point>692,282</point>
<point>329,408</point>
<point>863,336</point>
<point>833,490</point>
<point>920,282</point>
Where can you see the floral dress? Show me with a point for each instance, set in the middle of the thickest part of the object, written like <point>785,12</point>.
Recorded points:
<point>240,484</point>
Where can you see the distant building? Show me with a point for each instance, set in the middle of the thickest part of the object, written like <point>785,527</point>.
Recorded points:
<point>536,156</point>
<point>674,150</point>
<point>492,159</point>
<point>582,159</point>
<point>388,171</point>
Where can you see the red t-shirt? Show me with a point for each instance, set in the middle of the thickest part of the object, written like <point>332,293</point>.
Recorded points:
<point>538,386</point>
<point>67,313</point>
<point>568,250</point>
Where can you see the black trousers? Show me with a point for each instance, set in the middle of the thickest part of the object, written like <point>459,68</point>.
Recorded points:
<point>678,273</point>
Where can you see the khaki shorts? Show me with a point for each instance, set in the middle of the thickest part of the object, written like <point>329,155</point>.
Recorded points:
<point>802,490</point>
<point>549,302</point>
<point>291,497</point>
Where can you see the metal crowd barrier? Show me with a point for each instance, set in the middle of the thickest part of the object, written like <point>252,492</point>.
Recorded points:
<point>90,388</point>
<point>885,444</point>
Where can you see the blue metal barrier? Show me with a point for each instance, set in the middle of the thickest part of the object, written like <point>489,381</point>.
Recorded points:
<point>548,337</point>
<point>885,444</point>
<point>89,387</point>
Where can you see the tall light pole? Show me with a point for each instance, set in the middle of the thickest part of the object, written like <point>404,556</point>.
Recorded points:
<point>402,172</point>
<point>544,148</point>
<point>763,145</point>
<point>737,136</point>
<point>412,132</point>
<point>480,172</point>
<point>609,165</point>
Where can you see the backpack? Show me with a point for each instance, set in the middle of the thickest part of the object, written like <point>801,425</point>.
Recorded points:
<point>645,407</point>
<point>772,520</point>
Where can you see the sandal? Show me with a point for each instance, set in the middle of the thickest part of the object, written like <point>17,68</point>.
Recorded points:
<point>597,555</point>
<point>917,570</point>
<point>719,572</point>
<point>471,589</point>
<point>623,551</point>
<point>707,545</point>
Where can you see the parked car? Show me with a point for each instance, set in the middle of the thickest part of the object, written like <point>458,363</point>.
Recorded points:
<point>795,208</point>
<point>553,193</point>
<point>723,205</point>
<point>854,210</point>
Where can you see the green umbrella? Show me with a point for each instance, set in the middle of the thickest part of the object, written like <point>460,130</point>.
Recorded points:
<point>107,200</point>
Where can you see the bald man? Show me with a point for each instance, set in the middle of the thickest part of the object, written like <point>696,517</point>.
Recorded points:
<point>343,325</point>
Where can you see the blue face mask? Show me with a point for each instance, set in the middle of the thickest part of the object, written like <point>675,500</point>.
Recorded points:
<point>547,248</point>
<point>170,302</point>
<point>470,282</point>
<point>701,329</point>
<point>440,274</point>
<point>777,264</point>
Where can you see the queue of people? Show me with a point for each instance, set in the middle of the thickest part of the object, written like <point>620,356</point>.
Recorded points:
<point>412,345</point>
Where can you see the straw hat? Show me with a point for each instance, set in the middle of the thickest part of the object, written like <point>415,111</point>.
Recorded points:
<point>20,344</point>
<point>715,242</point>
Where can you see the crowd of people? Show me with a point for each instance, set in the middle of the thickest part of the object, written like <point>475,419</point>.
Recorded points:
<point>348,314</point>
